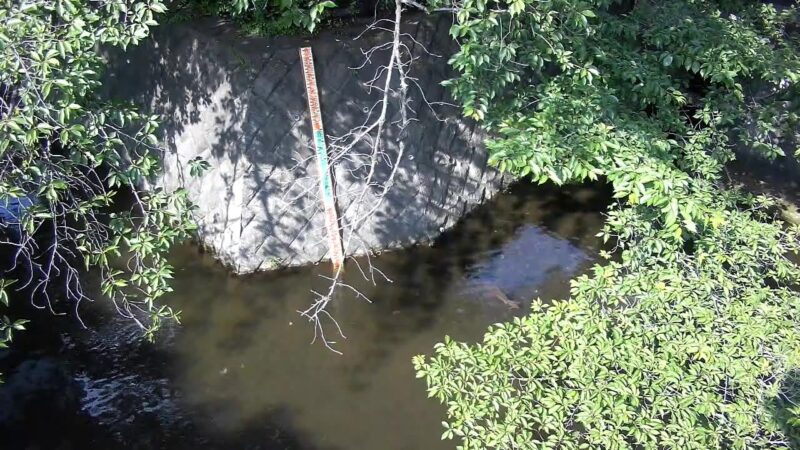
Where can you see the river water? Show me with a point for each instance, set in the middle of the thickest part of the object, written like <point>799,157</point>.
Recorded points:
<point>240,372</point>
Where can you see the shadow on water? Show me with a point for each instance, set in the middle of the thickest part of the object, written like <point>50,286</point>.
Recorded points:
<point>239,371</point>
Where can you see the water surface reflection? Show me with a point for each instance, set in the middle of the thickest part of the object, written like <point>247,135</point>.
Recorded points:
<point>239,372</point>
<point>243,352</point>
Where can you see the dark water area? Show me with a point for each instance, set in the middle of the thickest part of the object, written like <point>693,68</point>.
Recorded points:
<point>779,178</point>
<point>240,372</point>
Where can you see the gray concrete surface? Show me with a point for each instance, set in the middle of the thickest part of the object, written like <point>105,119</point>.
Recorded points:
<point>239,103</point>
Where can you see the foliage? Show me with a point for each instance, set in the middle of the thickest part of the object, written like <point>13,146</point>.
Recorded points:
<point>72,160</point>
<point>689,341</point>
<point>690,356</point>
<point>265,18</point>
<point>7,326</point>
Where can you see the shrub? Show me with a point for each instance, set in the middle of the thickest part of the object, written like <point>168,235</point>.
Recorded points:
<point>690,341</point>
<point>69,156</point>
<point>697,354</point>
<point>264,18</point>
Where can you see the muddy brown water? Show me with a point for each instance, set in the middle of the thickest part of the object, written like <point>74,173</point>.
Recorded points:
<point>240,372</point>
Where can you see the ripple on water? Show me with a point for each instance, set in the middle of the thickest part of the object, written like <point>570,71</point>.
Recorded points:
<point>240,373</point>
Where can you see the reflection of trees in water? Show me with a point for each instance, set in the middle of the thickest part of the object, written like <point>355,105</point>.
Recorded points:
<point>244,349</point>
<point>236,374</point>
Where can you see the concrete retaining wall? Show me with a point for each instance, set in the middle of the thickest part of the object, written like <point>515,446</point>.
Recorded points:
<point>240,104</point>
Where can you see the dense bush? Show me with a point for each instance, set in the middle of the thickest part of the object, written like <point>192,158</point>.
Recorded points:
<point>698,354</point>
<point>69,157</point>
<point>263,18</point>
<point>691,340</point>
